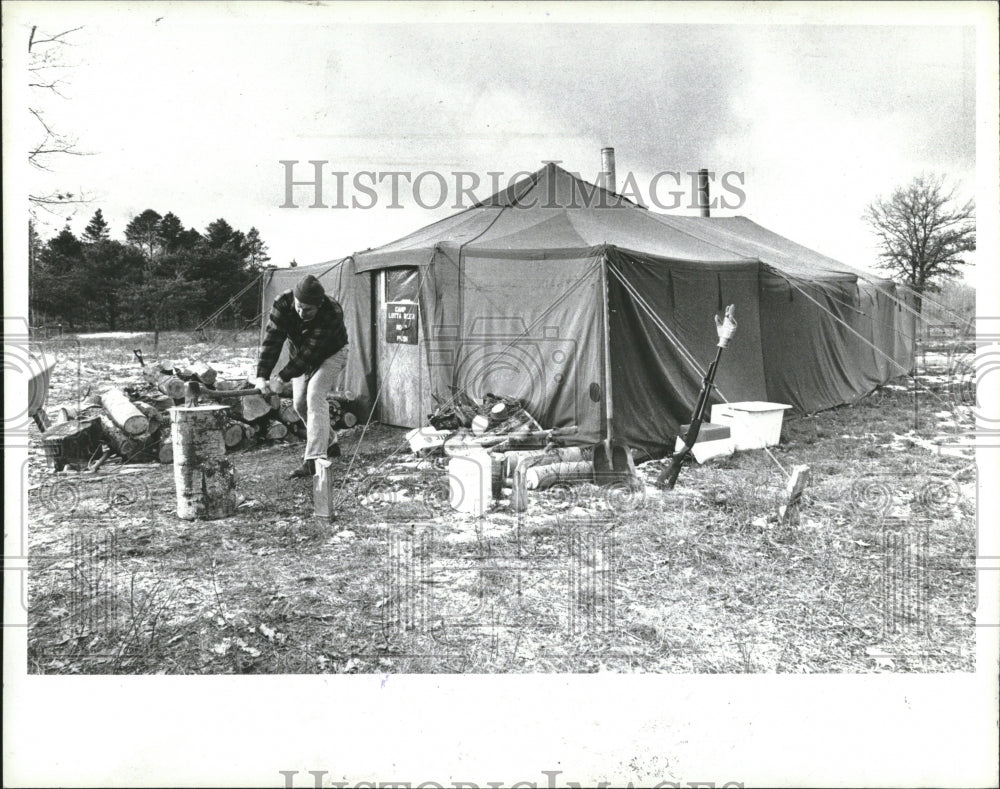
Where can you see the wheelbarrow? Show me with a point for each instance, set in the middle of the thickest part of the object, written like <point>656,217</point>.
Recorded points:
<point>40,369</point>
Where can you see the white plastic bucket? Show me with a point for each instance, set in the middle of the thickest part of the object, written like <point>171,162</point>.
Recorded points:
<point>470,482</point>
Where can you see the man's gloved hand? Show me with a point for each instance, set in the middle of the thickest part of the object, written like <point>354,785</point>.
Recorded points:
<point>263,385</point>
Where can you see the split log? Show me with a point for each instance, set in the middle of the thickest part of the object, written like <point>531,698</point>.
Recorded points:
<point>541,477</point>
<point>205,479</point>
<point>223,385</point>
<point>323,489</point>
<point>554,455</point>
<point>253,407</point>
<point>171,386</point>
<point>204,372</point>
<point>274,430</point>
<point>342,396</point>
<point>124,413</point>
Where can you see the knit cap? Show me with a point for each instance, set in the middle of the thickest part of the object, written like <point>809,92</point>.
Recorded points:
<point>309,291</point>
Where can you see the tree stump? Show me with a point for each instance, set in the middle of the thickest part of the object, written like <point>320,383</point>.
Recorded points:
<point>205,479</point>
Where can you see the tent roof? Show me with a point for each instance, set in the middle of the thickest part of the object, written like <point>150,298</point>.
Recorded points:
<point>554,214</point>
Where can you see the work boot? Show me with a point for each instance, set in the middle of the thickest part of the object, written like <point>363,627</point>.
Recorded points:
<point>333,451</point>
<point>307,469</point>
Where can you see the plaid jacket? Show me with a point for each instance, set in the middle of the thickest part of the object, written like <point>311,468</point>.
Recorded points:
<point>309,343</point>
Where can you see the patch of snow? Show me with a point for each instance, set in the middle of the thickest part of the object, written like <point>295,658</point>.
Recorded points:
<point>111,335</point>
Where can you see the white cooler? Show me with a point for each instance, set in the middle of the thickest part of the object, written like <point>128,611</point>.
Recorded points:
<point>713,441</point>
<point>753,424</point>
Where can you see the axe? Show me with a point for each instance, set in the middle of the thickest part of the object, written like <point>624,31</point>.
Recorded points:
<point>193,393</point>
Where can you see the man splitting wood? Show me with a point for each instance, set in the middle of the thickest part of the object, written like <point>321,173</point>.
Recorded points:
<point>313,324</point>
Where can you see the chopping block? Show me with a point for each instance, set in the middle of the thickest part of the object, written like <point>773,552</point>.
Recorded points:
<point>205,479</point>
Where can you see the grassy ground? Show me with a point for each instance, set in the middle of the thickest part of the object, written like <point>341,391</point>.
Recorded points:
<point>876,574</point>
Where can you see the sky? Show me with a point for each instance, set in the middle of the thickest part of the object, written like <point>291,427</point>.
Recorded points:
<point>190,108</point>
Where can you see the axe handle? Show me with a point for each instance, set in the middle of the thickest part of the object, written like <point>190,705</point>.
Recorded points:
<point>194,394</point>
<point>227,395</point>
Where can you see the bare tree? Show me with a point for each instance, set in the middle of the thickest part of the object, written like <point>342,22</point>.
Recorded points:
<point>923,232</point>
<point>45,68</point>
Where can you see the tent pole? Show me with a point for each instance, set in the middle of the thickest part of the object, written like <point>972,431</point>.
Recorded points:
<point>608,406</point>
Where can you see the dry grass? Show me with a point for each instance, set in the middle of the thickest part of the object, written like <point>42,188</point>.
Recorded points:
<point>589,579</point>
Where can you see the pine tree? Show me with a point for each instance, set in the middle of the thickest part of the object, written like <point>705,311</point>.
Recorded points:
<point>219,234</point>
<point>256,249</point>
<point>169,232</point>
<point>97,230</point>
<point>143,232</point>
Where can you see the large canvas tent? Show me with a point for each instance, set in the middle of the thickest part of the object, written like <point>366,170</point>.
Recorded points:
<point>599,313</point>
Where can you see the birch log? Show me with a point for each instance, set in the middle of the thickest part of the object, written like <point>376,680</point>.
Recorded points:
<point>542,477</point>
<point>117,439</point>
<point>550,456</point>
<point>124,413</point>
<point>205,479</point>
<point>155,417</point>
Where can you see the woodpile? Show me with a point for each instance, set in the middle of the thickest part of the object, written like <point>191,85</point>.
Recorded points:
<point>134,423</point>
<point>524,456</point>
